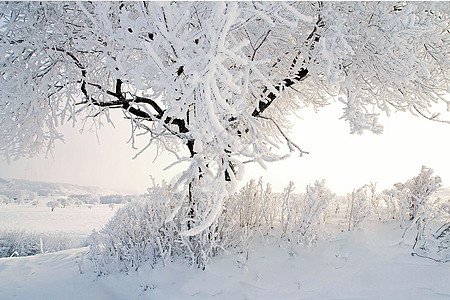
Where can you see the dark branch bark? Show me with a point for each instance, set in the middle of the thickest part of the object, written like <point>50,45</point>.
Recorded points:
<point>287,82</point>
<point>152,103</point>
<point>72,56</point>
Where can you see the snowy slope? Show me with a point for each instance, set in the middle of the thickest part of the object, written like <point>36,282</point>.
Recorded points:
<point>373,263</point>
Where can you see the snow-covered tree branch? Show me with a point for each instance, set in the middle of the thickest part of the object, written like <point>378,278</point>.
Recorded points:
<point>217,77</point>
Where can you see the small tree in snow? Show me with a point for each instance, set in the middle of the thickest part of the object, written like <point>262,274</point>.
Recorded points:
<point>218,78</point>
<point>53,204</point>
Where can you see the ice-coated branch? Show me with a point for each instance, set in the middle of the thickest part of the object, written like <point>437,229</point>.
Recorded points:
<point>434,117</point>
<point>218,77</point>
<point>271,96</point>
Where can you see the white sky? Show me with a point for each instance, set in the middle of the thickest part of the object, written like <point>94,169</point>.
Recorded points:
<point>345,161</point>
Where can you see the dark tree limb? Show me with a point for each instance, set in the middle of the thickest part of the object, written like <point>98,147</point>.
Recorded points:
<point>287,82</point>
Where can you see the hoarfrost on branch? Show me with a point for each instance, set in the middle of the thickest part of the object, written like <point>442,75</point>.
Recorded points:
<point>217,77</point>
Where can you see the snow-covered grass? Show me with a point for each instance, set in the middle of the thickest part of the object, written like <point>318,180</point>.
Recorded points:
<point>373,263</point>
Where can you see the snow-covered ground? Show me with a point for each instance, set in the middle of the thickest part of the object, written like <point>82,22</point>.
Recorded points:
<point>77,222</point>
<point>367,264</point>
<point>373,263</point>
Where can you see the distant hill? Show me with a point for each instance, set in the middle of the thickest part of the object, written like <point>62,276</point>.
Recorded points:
<point>49,188</point>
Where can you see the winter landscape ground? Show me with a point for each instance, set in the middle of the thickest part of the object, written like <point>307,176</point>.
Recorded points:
<point>374,262</point>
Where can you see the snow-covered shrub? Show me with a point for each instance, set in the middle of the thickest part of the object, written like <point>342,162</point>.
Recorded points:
<point>5,199</point>
<point>415,194</point>
<point>93,200</point>
<point>18,195</point>
<point>389,205</point>
<point>137,233</point>
<point>360,203</point>
<point>64,202</point>
<point>146,230</point>
<point>32,196</point>
<point>421,210</point>
<point>303,216</point>
<point>316,200</point>
<point>23,243</point>
<point>290,210</point>
<point>18,243</point>
<point>430,242</point>
<point>255,206</point>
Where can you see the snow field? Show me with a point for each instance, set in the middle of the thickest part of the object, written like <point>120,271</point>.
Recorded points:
<point>373,263</point>
<point>75,221</point>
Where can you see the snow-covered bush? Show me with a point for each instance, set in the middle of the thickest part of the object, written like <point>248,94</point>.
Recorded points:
<point>415,194</point>
<point>23,243</point>
<point>18,195</point>
<point>137,233</point>
<point>389,205</point>
<point>303,216</point>
<point>433,231</point>
<point>18,243</point>
<point>5,199</point>
<point>436,246</point>
<point>255,206</point>
<point>93,200</point>
<point>146,230</point>
<point>64,202</point>
<point>360,205</point>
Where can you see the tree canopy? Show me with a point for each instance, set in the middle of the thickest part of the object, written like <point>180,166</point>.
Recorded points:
<point>217,77</point>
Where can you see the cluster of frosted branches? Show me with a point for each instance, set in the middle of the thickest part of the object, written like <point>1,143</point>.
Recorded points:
<point>360,205</point>
<point>139,232</point>
<point>303,217</point>
<point>383,56</point>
